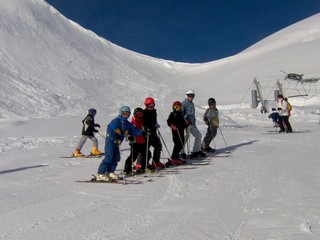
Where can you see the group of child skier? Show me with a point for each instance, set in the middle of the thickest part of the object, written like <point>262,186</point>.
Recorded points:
<point>143,132</point>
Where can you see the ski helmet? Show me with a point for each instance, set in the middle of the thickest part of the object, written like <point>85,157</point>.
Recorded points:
<point>92,111</point>
<point>177,106</point>
<point>149,100</point>
<point>138,112</point>
<point>190,92</point>
<point>211,101</point>
<point>124,109</point>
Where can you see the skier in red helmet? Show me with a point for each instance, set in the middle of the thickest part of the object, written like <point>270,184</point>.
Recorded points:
<point>151,125</point>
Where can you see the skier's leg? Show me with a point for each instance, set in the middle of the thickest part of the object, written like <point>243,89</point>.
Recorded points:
<point>207,139</point>
<point>156,144</point>
<point>197,138</point>
<point>82,141</point>
<point>106,163</point>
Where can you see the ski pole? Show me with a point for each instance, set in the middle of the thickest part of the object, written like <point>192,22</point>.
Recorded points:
<point>101,134</point>
<point>147,150</point>
<point>182,143</point>
<point>223,137</point>
<point>188,141</point>
<point>132,159</point>
<point>164,143</point>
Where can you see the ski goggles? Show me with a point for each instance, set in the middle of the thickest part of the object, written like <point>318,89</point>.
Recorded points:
<point>177,107</point>
<point>151,105</point>
<point>190,95</point>
<point>126,114</point>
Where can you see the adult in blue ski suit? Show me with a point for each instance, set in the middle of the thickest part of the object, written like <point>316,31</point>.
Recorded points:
<point>117,130</point>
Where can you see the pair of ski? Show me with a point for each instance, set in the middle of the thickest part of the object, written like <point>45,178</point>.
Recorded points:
<point>85,156</point>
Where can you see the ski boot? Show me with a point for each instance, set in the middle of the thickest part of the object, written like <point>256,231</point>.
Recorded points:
<point>95,151</point>
<point>77,153</point>
<point>103,178</point>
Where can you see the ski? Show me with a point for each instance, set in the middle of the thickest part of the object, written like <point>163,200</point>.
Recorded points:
<point>198,162</point>
<point>184,167</point>
<point>86,156</point>
<point>122,182</point>
<point>119,181</point>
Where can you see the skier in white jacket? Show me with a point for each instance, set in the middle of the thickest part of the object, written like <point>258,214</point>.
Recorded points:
<point>282,107</point>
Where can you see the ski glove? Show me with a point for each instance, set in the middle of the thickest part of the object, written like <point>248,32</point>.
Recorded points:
<point>97,125</point>
<point>131,138</point>
<point>173,127</point>
<point>156,126</point>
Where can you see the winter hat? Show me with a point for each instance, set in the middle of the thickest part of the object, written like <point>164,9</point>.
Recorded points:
<point>211,101</point>
<point>138,112</point>
<point>92,111</point>
<point>124,109</point>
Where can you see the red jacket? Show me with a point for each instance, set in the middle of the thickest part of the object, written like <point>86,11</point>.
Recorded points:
<point>138,123</point>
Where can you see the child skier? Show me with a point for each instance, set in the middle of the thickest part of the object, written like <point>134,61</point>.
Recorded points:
<point>211,118</point>
<point>117,130</point>
<point>177,123</point>
<point>88,131</point>
<point>151,125</point>
<point>138,145</point>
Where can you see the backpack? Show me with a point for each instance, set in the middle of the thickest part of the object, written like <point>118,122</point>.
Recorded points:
<point>289,107</point>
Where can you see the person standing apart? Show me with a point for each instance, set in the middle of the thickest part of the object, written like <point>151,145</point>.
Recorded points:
<point>190,116</point>
<point>285,125</point>
<point>88,130</point>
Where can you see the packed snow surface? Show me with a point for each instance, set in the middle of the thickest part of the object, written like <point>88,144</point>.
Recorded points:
<point>53,70</point>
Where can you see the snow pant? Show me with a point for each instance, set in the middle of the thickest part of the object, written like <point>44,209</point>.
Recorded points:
<point>111,157</point>
<point>210,135</point>
<point>83,140</point>
<point>178,140</point>
<point>284,121</point>
<point>197,138</point>
<point>136,149</point>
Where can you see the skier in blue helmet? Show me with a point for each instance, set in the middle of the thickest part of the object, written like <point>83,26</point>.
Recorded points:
<point>117,130</point>
<point>88,130</point>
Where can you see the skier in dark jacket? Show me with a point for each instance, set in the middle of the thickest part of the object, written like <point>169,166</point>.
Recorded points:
<point>151,125</point>
<point>177,123</point>
<point>88,130</point>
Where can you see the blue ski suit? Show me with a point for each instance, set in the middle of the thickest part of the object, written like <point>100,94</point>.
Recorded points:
<point>117,130</point>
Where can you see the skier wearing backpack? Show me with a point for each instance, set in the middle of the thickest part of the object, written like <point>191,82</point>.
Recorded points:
<point>211,118</point>
<point>138,145</point>
<point>282,107</point>
<point>177,123</point>
<point>117,130</point>
<point>88,130</point>
<point>190,116</point>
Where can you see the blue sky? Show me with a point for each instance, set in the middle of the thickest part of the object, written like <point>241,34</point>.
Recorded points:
<point>192,31</point>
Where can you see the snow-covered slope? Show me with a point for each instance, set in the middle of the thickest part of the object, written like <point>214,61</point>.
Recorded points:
<point>51,66</point>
